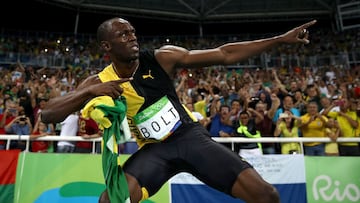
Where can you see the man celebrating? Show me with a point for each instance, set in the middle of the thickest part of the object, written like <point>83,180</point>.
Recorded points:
<point>176,143</point>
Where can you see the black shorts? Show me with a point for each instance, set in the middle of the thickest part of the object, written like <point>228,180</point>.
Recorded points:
<point>190,149</point>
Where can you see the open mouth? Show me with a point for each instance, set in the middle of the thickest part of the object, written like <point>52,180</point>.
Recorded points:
<point>134,47</point>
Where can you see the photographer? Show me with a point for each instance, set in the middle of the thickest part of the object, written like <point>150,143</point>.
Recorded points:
<point>21,125</point>
<point>10,112</point>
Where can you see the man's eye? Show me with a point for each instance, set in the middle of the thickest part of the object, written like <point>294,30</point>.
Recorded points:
<point>123,36</point>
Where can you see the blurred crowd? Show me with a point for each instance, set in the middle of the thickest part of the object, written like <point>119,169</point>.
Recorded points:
<point>277,101</point>
<point>63,50</point>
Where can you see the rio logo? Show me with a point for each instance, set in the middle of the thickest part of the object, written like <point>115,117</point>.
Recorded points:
<point>325,188</point>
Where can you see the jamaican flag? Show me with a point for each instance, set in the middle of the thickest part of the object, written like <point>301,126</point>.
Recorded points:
<point>111,117</point>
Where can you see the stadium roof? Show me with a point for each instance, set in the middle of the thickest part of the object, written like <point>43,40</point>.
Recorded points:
<point>208,11</point>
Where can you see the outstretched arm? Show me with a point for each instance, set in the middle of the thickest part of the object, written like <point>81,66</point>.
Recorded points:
<point>171,57</point>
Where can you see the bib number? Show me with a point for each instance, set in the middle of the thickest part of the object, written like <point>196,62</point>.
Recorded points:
<point>159,120</point>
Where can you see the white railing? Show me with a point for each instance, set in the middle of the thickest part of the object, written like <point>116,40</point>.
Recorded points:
<point>231,140</point>
<point>27,139</point>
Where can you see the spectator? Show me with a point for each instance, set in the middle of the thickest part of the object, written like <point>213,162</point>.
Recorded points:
<point>293,88</point>
<point>281,89</point>
<point>313,124</point>
<point>201,103</point>
<point>264,97</point>
<point>220,118</point>
<point>288,104</point>
<point>300,102</point>
<point>313,95</point>
<point>40,130</point>
<point>69,128</point>
<point>181,90</point>
<point>25,101</point>
<point>327,103</point>
<point>88,129</point>
<point>20,125</point>
<point>10,113</point>
<point>247,128</point>
<point>348,121</point>
<point>287,126</point>
<point>333,132</point>
<point>265,127</point>
<point>221,126</point>
<point>41,102</point>
<point>322,88</point>
<point>203,120</point>
<point>236,107</point>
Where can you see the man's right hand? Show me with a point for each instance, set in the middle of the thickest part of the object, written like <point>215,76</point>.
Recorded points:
<point>111,88</point>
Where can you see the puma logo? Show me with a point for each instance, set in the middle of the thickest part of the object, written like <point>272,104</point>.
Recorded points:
<point>148,75</point>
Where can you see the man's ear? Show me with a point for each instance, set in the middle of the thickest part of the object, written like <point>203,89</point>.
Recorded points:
<point>105,45</point>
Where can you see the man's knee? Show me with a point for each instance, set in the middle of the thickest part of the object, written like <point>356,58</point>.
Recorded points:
<point>269,194</point>
<point>272,195</point>
<point>250,187</point>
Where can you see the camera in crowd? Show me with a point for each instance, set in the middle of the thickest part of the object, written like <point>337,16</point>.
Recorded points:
<point>253,102</point>
<point>283,115</point>
<point>23,118</point>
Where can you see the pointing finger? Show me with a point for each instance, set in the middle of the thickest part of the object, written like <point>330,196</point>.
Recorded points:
<point>306,25</point>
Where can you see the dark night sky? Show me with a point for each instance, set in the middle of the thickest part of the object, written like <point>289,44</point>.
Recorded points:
<point>31,15</point>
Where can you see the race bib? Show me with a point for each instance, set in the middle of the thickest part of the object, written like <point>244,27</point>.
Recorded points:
<point>159,120</point>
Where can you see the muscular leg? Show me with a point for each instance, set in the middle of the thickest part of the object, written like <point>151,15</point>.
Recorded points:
<point>252,188</point>
<point>248,186</point>
<point>134,189</point>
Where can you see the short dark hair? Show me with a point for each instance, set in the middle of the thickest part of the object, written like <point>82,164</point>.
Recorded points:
<point>225,106</point>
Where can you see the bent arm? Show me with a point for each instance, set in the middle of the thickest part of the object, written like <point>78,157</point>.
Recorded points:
<point>275,104</point>
<point>354,123</point>
<point>58,108</point>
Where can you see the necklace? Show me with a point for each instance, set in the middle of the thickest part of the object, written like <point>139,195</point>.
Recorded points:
<point>119,75</point>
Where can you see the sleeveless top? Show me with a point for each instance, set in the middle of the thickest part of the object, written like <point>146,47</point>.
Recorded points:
<point>149,85</point>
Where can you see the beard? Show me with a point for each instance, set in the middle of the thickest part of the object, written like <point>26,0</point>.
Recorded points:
<point>132,58</point>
